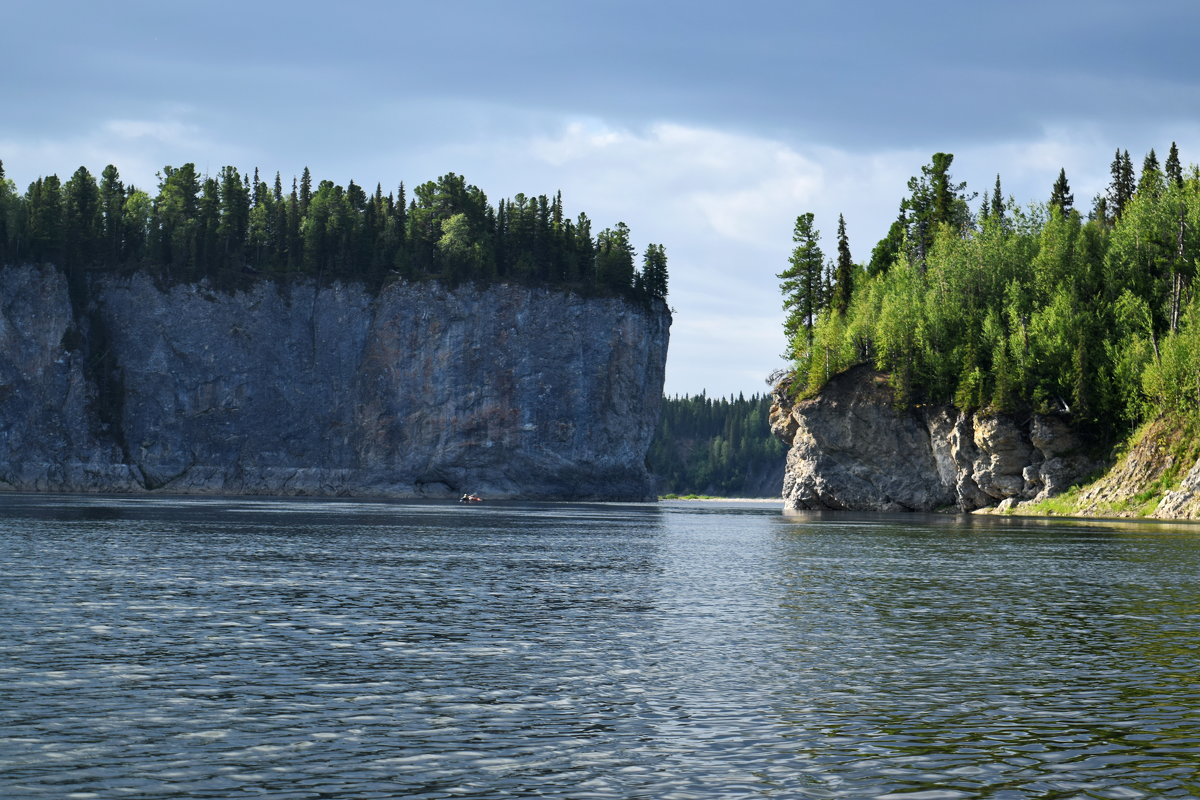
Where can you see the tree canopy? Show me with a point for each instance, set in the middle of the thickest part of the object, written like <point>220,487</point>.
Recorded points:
<point>716,446</point>
<point>228,226</point>
<point>1028,308</point>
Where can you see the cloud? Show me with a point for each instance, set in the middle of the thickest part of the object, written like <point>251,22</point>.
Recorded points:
<point>723,201</point>
<point>138,147</point>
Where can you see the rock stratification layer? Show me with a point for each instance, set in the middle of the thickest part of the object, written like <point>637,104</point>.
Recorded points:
<point>295,388</point>
<point>851,448</point>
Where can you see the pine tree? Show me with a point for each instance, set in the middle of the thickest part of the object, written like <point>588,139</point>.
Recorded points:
<point>801,285</point>
<point>1060,196</point>
<point>934,199</point>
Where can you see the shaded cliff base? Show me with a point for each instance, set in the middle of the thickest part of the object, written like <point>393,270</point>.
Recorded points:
<point>850,448</point>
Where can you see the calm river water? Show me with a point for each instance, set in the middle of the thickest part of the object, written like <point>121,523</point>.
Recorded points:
<point>201,648</point>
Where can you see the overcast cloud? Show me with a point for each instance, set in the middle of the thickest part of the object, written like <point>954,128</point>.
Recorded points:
<point>705,126</point>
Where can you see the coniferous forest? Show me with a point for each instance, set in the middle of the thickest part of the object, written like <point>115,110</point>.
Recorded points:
<point>231,226</point>
<point>720,447</point>
<point>994,306</point>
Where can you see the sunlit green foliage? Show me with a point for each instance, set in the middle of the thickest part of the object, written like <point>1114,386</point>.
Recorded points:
<point>1030,309</point>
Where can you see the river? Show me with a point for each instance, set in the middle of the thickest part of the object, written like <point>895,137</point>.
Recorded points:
<point>227,648</point>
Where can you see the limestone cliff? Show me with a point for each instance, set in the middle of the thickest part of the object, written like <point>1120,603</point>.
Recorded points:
<point>851,448</point>
<point>417,390</point>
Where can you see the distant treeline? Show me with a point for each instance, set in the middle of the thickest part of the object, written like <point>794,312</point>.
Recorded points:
<point>721,447</point>
<point>1015,308</point>
<point>230,225</point>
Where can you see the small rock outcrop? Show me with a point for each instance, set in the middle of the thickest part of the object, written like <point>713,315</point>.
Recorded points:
<point>304,389</point>
<point>852,448</point>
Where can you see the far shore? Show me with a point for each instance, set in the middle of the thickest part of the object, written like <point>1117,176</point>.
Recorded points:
<point>698,499</point>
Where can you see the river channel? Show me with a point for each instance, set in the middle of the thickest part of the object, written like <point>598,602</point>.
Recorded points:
<point>228,648</point>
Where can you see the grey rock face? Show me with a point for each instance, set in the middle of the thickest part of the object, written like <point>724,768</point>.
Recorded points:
<point>1184,502</point>
<point>1003,452</point>
<point>850,448</point>
<point>299,389</point>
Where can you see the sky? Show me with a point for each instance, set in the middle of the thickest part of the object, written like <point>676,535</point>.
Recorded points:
<point>705,126</point>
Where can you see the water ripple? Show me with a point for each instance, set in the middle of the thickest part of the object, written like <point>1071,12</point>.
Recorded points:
<point>216,649</point>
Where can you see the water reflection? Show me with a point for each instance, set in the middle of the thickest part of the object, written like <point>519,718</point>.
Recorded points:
<point>210,648</point>
<point>1003,659</point>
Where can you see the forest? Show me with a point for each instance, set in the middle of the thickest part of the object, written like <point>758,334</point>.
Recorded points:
<point>720,447</point>
<point>1011,308</point>
<point>231,227</point>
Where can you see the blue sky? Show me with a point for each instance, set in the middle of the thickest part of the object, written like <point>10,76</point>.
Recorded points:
<point>705,126</point>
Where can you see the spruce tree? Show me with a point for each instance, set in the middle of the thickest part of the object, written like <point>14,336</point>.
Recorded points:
<point>81,220</point>
<point>1173,168</point>
<point>997,208</point>
<point>654,271</point>
<point>1060,195</point>
<point>43,219</point>
<point>1122,186</point>
<point>1151,177</point>
<point>112,203</point>
<point>614,258</point>
<point>305,190</point>
<point>843,273</point>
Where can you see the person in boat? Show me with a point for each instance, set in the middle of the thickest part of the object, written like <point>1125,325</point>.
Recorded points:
<point>470,498</point>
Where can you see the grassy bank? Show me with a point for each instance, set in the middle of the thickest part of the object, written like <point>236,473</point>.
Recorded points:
<point>1148,477</point>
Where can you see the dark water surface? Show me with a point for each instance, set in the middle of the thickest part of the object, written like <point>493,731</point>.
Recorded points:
<point>238,648</point>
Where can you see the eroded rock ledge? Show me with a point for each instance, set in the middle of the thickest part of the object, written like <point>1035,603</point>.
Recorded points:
<point>851,448</point>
